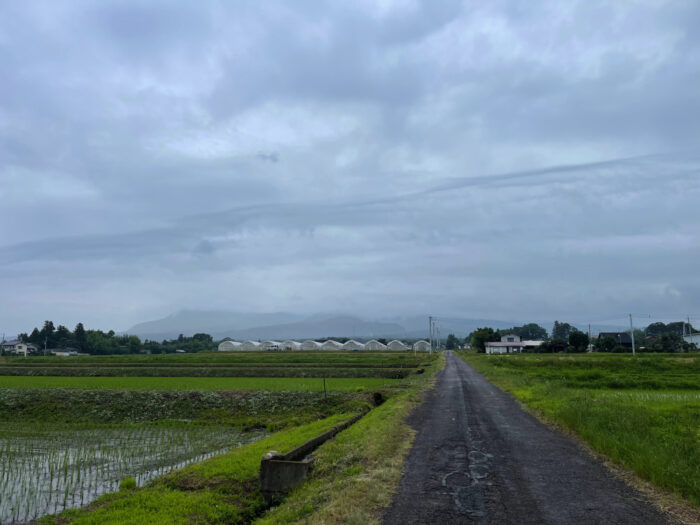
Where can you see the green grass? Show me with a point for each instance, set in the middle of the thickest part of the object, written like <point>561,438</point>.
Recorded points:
<point>354,476</point>
<point>223,489</point>
<point>195,383</point>
<point>643,413</point>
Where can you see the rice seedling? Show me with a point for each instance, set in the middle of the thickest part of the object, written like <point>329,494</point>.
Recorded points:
<point>48,468</point>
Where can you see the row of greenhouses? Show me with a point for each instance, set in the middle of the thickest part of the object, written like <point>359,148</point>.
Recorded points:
<point>330,344</point>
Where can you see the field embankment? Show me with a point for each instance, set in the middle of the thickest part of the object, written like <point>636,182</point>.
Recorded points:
<point>643,413</point>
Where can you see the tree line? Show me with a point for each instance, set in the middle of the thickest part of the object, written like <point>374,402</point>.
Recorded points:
<point>97,342</point>
<point>657,337</point>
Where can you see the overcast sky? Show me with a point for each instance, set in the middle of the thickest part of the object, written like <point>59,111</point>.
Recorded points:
<point>512,160</point>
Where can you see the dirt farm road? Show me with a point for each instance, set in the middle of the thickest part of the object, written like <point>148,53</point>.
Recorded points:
<point>479,458</point>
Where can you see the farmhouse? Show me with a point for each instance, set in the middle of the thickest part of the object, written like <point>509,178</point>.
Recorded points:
<point>509,344</point>
<point>17,347</point>
<point>622,338</point>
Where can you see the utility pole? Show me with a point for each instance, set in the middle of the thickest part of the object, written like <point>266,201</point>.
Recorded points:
<point>632,336</point>
<point>590,341</point>
<point>430,333</point>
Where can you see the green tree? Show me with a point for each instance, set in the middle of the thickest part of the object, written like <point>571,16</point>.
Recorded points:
<point>605,344</point>
<point>452,343</point>
<point>578,341</point>
<point>479,337</point>
<point>79,338</point>
<point>530,331</point>
<point>561,331</point>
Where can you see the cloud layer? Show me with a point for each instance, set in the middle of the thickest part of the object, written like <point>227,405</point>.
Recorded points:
<point>509,161</point>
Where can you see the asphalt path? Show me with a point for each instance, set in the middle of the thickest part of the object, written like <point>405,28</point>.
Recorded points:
<point>480,458</point>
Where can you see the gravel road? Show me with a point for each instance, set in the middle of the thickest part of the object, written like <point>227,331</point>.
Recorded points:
<point>479,458</point>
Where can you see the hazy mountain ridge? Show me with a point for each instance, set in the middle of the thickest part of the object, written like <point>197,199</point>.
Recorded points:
<point>283,325</point>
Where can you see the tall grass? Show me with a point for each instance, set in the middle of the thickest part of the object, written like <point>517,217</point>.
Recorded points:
<point>642,413</point>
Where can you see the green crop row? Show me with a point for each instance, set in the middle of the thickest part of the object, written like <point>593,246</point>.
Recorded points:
<point>257,357</point>
<point>168,371</point>
<point>274,409</point>
<point>71,363</point>
<point>341,384</point>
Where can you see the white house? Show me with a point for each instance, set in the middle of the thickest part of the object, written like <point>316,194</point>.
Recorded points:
<point>331,345</point>
<point>692,338</point>
<point>353,345</point>
<point>17,347</point>
<point>421,346</point>
<point>396,345</point>
<point>250,345</point>
<point>229,346</point>
<point>374,345</point>
<point>310,345</point>
<point>509,344</point>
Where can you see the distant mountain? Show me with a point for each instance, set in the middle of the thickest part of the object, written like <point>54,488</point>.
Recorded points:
<point>282,325</point>
<point>190,322</point>
<point>340,326</point>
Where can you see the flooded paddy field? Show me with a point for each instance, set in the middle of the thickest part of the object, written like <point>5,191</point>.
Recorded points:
<point>45,468</point>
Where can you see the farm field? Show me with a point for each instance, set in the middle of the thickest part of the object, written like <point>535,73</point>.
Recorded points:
<point>312,358</point>
<point>643,412</point>
<point>69,439</point>
<point>340,384</point>
<point>47,468</point>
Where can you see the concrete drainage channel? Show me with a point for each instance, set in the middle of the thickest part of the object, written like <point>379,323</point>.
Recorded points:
<point>280,473</point>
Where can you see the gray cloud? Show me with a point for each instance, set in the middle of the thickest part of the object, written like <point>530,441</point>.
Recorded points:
<point>511,161</point>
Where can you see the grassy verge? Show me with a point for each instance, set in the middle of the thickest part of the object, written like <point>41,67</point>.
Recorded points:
<point>652,430</point>
<point>340,384</point>
<point>223,489</point>
<point>356,474</point>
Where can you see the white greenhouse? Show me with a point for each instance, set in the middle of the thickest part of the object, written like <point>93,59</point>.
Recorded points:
<point>421,346</point>
<point>374,345</point>
<point>229,346</point>
<point>353,345</point>
<point>291,345</point>
<point>396,345</point>
<point>310,345</point>
<point>331,345</point>
<point>271,345</point>
<point>250,345</point>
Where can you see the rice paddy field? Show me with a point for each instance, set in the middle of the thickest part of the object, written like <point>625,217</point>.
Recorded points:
<point>74,429</point>
<point>47,468</point>
<point>642,412</point>
<point>196,383</point>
